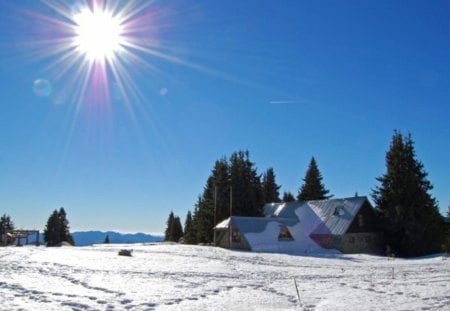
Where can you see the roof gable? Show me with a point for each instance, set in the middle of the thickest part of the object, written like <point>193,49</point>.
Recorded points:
<point>333,216</point>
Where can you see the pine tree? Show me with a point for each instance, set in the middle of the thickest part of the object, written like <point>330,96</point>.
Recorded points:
<point>270,187</point>
<point>236,180</point>
<point>174,230</point>
<point>205,218</point>
<point>288,197</point>
<point>412,223</point>
<point>57,229</point>
<point>177,230</point>
<point>52,230</point>
<point>6,225</point>
<point>169,227</point>
<point>65,235</point>
<point>189,230</point>
<point>106,241</point>
<point>313,188</point>
<point>247,197</point>
<point>213,205</point>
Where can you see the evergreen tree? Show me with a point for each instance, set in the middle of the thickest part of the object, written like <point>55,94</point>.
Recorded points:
<point>177,230</point>
<point>412,223</point>
<point>169,227</point>
<point>247,197</point>
<point>65,235</point>
<point>270,187</point>
<point>213,205</point>
<point>189,230</point>
<point>57,229</point>
<point>106,241</point>
<point>205,218</point>
<point>236,180</point>
<point>174,231</point>
<point>52,230</point>
<point>313,188</point>
<point>6,225</point>
<point>288,197</point>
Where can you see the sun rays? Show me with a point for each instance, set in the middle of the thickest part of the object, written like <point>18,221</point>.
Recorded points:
<point>93,46</point>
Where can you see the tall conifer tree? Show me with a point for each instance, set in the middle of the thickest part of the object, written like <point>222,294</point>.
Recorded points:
<point>247,197</point>
<point>6,225</point>
<point>270,188</point>
<point>313,188</point>
<point>57,229</point>
<point>169,227</point>
<point>189,230</point>
<point>413,225</point>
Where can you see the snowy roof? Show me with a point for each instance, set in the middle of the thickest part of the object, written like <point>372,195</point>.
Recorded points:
<point>332,216</point>
<point>253,224</point>
<point>303,219</point>
<point>336,215</point>
<point>284,210</point>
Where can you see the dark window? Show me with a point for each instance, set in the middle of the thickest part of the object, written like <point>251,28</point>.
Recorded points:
<point>360,220</point>
<point>351,239</point>
<point>236,237</point>
<point>285,235</point>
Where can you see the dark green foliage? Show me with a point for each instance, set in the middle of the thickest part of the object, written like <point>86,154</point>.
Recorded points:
<point>190,236</point>
<point>247,197</point>
<point>313,188</point>
<point>288,197</point>
<point>169,225</point>
<point>235,180</point>
<point>174,230</point>
<point>270,187</point>
<point>6,225</point>
<point>412,223</point>
<point>205,219</point>
<point>57,229</point>
<point>106,241</point>
<point>446,244</point>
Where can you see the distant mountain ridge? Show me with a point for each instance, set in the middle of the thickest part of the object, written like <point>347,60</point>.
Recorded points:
<point>85,238</point>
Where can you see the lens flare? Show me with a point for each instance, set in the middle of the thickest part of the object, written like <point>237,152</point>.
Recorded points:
<point>42,87</point>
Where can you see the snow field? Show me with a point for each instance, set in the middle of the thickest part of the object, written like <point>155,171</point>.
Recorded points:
<point>180,277</point>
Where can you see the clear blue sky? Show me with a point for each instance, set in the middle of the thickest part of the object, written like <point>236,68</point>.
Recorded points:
<point>286,80</point>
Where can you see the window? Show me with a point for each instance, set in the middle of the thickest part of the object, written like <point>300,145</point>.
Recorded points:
<point>351,240</point>
<point>339,211</point>
<point>285,235</point>
<point>361,220</point>
<point>236,237</point>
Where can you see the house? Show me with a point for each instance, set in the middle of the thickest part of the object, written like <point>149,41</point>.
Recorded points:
<point>346,225</point>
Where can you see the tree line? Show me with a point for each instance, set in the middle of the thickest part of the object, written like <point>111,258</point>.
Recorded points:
<point>407,212</point>
<point>56,231</point>
<point>235,188</point>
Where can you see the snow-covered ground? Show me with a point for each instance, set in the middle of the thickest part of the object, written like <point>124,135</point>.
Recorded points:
<point>177,277</point>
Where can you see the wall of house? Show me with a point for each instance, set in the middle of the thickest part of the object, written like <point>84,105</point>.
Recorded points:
<point>365,221</point>
<point>365,242</point>
<point>238,241</point>
<point>352,243</point>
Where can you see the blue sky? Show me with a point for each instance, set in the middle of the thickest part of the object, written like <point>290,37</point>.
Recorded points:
<point>286,80</point>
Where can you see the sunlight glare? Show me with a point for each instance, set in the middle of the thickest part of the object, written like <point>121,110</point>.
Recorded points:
<point>98,34</point>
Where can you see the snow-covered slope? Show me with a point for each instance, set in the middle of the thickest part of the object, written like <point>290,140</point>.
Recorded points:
<point>177,277</point>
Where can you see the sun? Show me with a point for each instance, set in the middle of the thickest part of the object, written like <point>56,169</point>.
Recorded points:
<point>98,34</point>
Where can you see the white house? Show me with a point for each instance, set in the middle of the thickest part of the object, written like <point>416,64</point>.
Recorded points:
<point>346,225</point>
